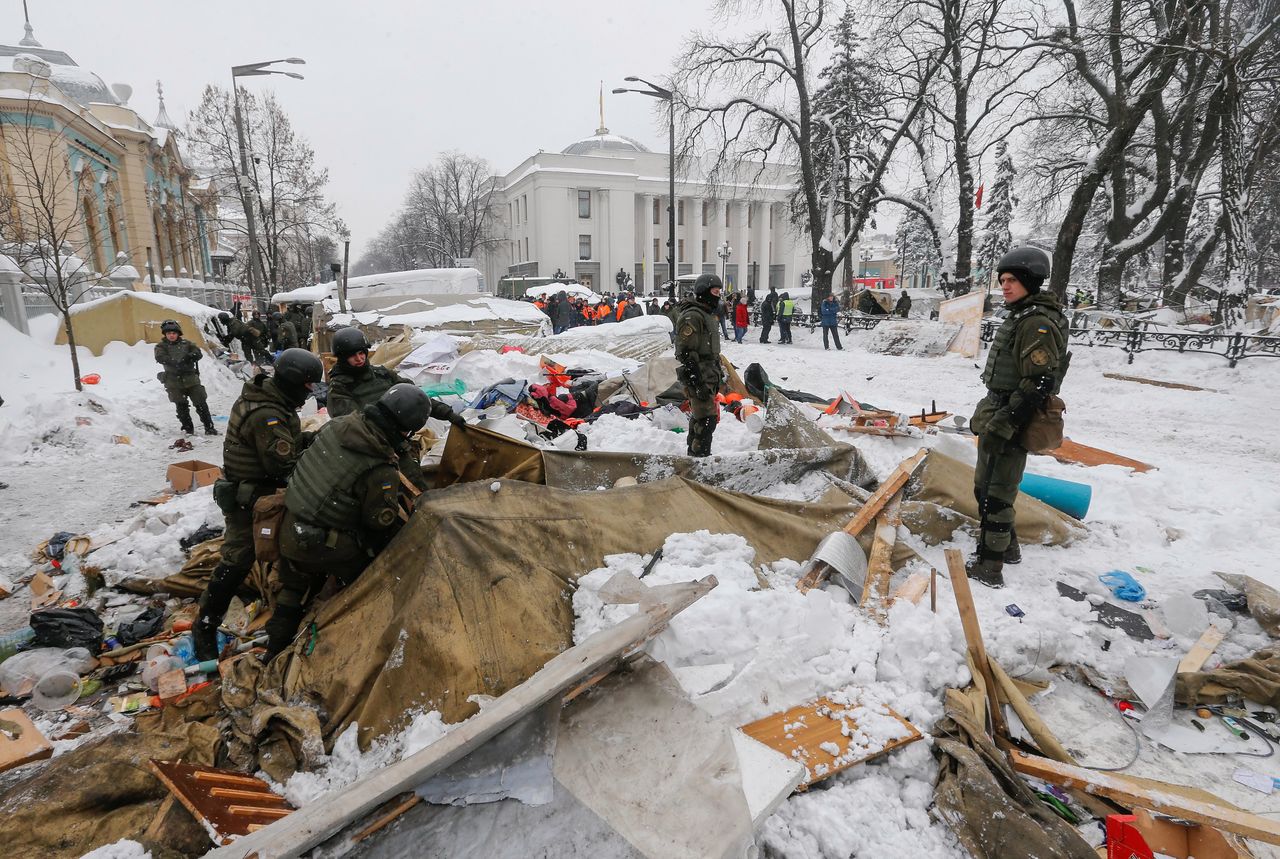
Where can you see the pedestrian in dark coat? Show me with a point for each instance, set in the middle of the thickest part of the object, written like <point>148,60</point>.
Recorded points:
<point>829,314</point>
<point>768,312</point>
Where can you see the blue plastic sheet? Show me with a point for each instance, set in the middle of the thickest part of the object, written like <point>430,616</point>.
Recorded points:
<point>1123,585</point>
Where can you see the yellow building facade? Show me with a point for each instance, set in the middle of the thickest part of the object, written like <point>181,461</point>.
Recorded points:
<point>120,178</point>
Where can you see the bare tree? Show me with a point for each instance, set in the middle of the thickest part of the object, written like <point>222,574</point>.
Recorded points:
<point>454,205</point>
<point>752,99</point>
<point>43,225</point>
<point>284,182</point>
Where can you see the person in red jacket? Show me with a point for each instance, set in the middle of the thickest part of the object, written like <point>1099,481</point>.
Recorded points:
<point>741,318</point>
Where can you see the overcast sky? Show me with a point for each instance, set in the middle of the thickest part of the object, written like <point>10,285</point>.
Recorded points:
<point>389,83</point>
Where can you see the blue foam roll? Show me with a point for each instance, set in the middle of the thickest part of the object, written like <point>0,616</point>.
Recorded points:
<point>1066,495</point>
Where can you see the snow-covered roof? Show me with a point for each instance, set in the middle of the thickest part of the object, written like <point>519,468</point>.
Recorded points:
<point>194,309</point>
<point>604,143</point>
<point>474,310</point>
<point>567,288</point>
<point>80,84</point>
<point>423,281</point>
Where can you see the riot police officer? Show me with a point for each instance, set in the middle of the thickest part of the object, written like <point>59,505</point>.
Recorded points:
<point>697,339</point>
<point>1025,366</point>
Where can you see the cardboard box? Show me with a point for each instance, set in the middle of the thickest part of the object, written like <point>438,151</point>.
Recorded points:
<point>192,474</point>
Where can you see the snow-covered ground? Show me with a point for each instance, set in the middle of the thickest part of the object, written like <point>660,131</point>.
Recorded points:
<point>1211,505</point>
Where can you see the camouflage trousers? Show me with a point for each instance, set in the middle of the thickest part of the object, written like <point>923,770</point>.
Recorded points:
<point>996,477</point>
<point>703,417</point>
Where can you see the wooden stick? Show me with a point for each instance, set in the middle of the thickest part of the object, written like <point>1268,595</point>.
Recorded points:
<point>870,510</point>
<point>933,590</point>
<point>1201,650</point>
<point>1129,793</point>
<point>386,819</point>
<point>973,635</point>
<point>1159,384</point>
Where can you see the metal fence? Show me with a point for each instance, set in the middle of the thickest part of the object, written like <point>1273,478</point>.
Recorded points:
<point>212,293</point>
<point>1142,337</point>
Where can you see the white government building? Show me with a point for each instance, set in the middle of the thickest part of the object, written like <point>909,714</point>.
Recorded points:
<point>600,206</point>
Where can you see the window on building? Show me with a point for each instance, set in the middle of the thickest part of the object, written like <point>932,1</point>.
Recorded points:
<point>748,252</point>
<point>680,213</point>
<point>657,256</point>
<point>526,249</point>
<point>91,227</point>
<point>771,217</point>
<point>584,247</point>
<point>510,217</point>
<point>657,210</point>
<point>114,227</point>
<point>524,206</point>
<point>704,249</point>
<point>751,212</point>
<point>680,248</point>
<point>584,204</point>
<point>726,214</point>
<point>704,219</point>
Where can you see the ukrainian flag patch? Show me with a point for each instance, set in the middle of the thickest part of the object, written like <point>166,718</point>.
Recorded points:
<point>1042,330</point>
<point>272,421</point>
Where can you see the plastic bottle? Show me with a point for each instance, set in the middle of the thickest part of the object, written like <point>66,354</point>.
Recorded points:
<point>11,641</point>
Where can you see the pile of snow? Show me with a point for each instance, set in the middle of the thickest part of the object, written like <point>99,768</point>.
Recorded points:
<point>423,281</point>
<point>122,849</point>
<point>640,325</point>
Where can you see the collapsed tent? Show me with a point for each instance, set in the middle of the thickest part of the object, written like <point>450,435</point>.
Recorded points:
<point>453,609</point>
<point>132,317</point>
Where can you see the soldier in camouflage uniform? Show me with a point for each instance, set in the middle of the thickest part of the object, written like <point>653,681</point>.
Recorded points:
<point>342,504</point>
<point>301,320</point>
<point>264,437</point>
<point>355,383</point>
<point>1027,362</point>
<point>286,336</point>
<point>181,376</point>
<point>697,339</point>
<point>260,338</point>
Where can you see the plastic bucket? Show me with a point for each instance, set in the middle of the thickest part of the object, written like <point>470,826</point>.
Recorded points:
<point>1066,495</point>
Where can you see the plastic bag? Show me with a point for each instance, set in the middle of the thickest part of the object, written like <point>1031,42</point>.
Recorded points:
<point>67,627</point>
<point>145,625</point>
<point>20,673</point>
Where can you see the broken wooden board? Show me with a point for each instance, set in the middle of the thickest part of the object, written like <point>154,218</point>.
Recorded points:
<point>875,587</point>
<point>1159,384</point>
<point>307,827</point>
<point>20,741</point>
<point>1074,453</point>
<point>1201,650</point>
<point>913,589</point>
<point>229,804</point>
<point>870,509</point>
<point>818,735</point>
<point>1130,623</point>
<point>973,636</point>
<point>1131,793</point>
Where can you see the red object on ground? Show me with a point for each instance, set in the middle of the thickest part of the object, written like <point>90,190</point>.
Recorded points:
<point>505,349</point>
<point>1124,841</point>
<point>181,626</point>
<point>91,379</point>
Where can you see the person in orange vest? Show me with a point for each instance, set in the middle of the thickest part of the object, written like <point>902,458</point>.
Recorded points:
<point>620,309</point>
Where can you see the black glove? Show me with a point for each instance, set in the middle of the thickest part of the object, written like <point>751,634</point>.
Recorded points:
<point>457,420</point>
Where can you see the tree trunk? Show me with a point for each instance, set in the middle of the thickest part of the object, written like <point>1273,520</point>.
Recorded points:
<point>1175,248</point>
<point>1110,281</point>
<point>822,271</point>
<point>71,344</point>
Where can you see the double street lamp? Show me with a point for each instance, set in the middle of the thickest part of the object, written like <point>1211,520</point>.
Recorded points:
<point>245,71</point>
<point>656,91</point>
<point>724,252</point>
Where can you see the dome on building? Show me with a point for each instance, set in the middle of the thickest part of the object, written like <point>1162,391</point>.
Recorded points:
<point>80,84</point>
<point>604,143</point>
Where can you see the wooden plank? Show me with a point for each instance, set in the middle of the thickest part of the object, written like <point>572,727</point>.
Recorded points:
<point>1201,650</point>
<point>875,587</point>
<point>1159,384</point>
<point>870,510</point>
<point>1074,453</point>
<point>20,741</point>
<point>912,590</point>
<point>973,635</point>
<point>1132,793</point>
<point>227,813</point>
<point>807,734</point>
<point>387,819</point>
<point>312,825</point>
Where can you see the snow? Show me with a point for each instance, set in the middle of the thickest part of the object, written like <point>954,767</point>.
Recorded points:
<point>423,281</point>
<point>472,310</point>
<point>1212,504</point>
<point>201,313</point>
<point>567,288</point>
<point>122,849</point>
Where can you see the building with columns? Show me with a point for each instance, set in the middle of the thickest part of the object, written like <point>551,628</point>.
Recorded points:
<point>122,178</point>
<point>599,206</point>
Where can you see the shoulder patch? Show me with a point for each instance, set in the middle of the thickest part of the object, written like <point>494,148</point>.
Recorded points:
<point>386,517</point>
<point>284,447</point>
<point>386,485</point>
<point>272,421</point>
<point>1042,330</point>
<point>686,330</point>
<point>1039,357</point>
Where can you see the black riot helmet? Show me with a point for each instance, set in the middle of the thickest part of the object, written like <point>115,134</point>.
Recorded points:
<point>702,289</point>
<point>406,406</point>
<point>225,317</point>
<point>296,371</point>
<point>275,316</point>
<point>1028,264</point>
<point>349,341</point>
<point>170,325</point>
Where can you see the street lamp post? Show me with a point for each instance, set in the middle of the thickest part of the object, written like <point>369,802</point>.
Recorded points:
<point>656,91</point>
<point>724,252</point>
<point>252,70</point>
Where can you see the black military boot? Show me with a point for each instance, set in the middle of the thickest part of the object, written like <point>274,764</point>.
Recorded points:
<point>282,628</point>
<point>700,435</point>
<point>213,607</point>
<point>1013,554</point>
<point>207,419</point>
<point>184,418</point>
<point>984,569</point>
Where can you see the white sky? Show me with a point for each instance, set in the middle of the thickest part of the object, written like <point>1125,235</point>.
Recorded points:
<point>389,83</point>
